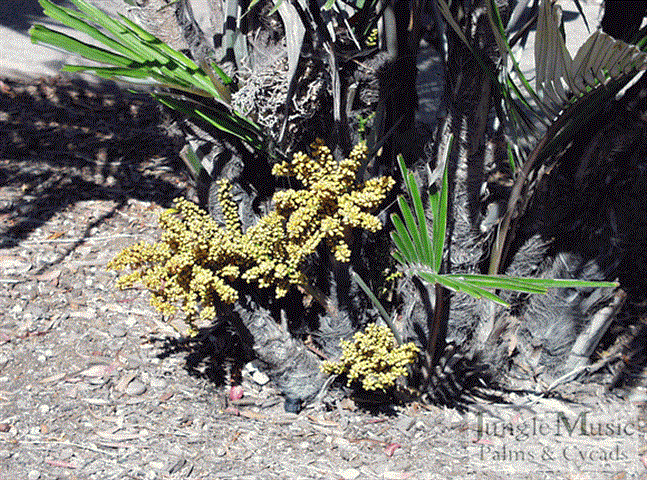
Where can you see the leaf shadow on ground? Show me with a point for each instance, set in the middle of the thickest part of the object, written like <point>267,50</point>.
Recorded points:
<point>66,141</point>
<point>19,14</point>
<point>215,354</point>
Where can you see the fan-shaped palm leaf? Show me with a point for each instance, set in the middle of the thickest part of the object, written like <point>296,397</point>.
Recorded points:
<point>598,61</point>
<point>412,252</point>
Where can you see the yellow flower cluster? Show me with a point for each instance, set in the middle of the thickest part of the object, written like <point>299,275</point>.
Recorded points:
<point>198,261</point>
<point>193,264</point>
<point>371,39</point>
<point>373,358</point>
<point>229,208</point>
<point>330,203</point>
<point>267,245</point>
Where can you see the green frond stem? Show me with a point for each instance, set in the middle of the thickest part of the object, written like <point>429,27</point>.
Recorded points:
<point>380,308</point>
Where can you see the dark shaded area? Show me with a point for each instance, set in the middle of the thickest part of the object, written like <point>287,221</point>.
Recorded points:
<point>622,18</point>
<point>20,14</point>
<point>595,202</point>
<point>66,141</point>
<point>216,354</point>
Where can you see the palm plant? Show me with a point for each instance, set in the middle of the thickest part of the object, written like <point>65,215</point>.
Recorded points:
<point>420,253</point>
<point>569,93</point>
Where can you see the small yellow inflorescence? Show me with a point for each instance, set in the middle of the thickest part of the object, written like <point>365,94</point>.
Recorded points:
<point>193,264</point>
<point>331,203</point>
<point>197,260</point>
<point>371,39</point>
<point>373,358</point>
<point>229,208</point>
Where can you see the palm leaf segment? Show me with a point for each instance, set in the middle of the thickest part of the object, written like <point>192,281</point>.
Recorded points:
<point>598,61</point>
<point>134,55</point>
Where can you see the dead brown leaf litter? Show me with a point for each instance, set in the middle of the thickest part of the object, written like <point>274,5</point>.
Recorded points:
<point>87,389</point>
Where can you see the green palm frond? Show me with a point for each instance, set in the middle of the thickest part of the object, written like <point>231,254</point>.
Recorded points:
<point>412,251</point>
<point>421,256</point>
<point>515,100</point>
<point>577,89</point>
<point>559,79</point>
<point>228,121</point>
<point>598,61</point>
<point>131,52</point>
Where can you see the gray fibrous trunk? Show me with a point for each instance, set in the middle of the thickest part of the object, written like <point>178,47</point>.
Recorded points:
<point>293,368</point>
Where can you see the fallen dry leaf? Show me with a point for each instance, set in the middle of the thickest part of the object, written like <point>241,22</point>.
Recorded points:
<point>13,265</point>
<point>98,371</point>
<point>55,235</point>
<point>483,441</point>
<point>60,463</point>
<point>116,435</point>
<point>165,397</point>
<point>49,276</point>
<point>391,448</point>
<point>396,475</point>
<point>322,421</point>
<point>53,378</point>
<point>125,380</point>
<point>252,415</point>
